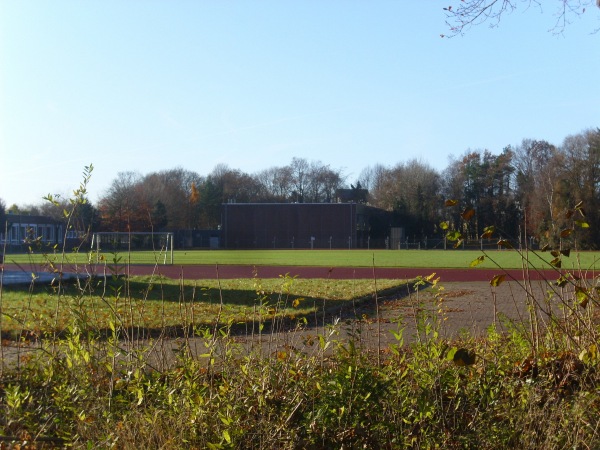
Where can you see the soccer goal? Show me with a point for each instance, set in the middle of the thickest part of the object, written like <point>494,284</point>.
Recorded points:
<point>143,247</point>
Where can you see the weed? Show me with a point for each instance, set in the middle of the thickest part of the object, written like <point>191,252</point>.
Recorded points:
<point>284,364</point>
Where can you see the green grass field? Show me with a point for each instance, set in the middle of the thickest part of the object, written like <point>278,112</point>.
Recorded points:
<point>330,258</point>
<point>155,302</point>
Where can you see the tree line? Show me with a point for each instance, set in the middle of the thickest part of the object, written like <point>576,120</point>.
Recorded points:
<point>525,191</point>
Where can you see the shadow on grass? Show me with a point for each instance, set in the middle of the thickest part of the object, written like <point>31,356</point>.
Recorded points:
<point>278,312</point>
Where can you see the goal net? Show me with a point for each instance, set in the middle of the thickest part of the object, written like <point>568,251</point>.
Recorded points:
<point>141,247</point>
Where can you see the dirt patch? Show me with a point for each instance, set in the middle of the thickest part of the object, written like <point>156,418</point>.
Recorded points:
<point>374,324</point>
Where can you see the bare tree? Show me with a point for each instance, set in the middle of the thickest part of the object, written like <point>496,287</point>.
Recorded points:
<point>300,169</point>
<point>321,183</point>
<point>371,179</point>
<point>123,207</point>
<point>539,170</point>
<point>582,183</point>
<point>236,185</point>
<point>173,190</point>
<point>412,191</point>
<point>300,181</point>
<point>277,182</point>
<point>463,14</point>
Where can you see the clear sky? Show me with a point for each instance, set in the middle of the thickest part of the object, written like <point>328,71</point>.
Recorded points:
<point>154,85</point>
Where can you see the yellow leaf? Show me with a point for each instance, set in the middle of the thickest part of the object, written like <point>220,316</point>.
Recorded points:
<point>477,261</point>
<point>497,280</point>
<point>582,296</point>
<point>504,243</point>
<point>562,281</point>
<point>453,235</point>
<point>430,277</point>
<point>488,232</point>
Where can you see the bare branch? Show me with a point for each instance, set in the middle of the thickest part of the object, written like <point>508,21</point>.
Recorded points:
<point>467,13</point>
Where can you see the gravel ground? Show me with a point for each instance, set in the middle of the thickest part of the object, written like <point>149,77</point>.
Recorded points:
<point>467,306</point>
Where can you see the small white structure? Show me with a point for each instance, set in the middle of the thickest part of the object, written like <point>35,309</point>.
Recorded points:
<point>21,229</point>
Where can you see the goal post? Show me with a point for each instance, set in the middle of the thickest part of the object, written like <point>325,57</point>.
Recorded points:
<point>145,247</point>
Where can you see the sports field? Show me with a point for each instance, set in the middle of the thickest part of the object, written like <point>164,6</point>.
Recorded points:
<point>507,259</point>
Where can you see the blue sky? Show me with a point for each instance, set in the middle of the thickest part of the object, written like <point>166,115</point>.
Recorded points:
<point>154,85</point>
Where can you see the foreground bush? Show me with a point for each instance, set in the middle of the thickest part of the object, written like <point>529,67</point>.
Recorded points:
<point>84,391</point>
<point>535,386</point>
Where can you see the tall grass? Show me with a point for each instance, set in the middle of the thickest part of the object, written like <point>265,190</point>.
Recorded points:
<point>533,386</point>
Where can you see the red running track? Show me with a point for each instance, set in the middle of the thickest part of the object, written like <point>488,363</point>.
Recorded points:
<point>192,272</point>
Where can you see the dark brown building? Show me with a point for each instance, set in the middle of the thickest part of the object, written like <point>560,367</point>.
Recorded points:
<point>303,225</point>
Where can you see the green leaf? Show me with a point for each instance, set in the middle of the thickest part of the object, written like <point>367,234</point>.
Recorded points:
<point>451,353</point>
<point>562,281</point>
<point>444,225</point>
<point>582,224</point>
<point>453,235</point>
<point>477,261</point>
